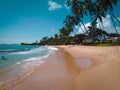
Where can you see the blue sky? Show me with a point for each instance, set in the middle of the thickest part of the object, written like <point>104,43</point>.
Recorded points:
<point>30,20</point>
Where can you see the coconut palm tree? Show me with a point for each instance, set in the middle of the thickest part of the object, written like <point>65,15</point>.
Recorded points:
<point>89,7</point>
<point>64,32</point>
<point>96,9</point>
<point>78,10</point>
<point>107,6</point>
<point>96,33</point>
<point>69,23</point>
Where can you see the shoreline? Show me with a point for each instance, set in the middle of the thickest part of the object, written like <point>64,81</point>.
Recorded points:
<point>55,74</point>
<point>76,68</point>
<point>21,70</point>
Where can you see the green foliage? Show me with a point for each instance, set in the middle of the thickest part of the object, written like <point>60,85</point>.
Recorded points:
<point>96,9</point>
<point>113,35</point>
<point>108,44</point>
<point>60,40</point>
<point>95,33</point>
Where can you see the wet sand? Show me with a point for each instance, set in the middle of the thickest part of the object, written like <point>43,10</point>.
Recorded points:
<point>58,73</point>
<point>76,68</point>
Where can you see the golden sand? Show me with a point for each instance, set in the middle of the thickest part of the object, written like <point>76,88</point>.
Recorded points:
<point>77,68</point>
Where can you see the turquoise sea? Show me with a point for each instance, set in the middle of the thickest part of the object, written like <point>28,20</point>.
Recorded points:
<point>24,57</point>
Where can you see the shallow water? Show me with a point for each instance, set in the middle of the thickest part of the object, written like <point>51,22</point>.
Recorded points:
<point>84,62</point>
<point>11,55</point>
<point>20,61</point>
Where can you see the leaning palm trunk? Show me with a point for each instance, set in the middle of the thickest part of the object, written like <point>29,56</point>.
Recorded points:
<point>114,24</point>
<point>115,17</point>
<point>102,28</point>
<point>79,33</point>
<point>84,26</point>
<point>73,32</point>
<point>82,29</point>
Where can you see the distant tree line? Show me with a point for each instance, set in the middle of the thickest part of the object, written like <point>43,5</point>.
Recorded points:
<point>72,40</point>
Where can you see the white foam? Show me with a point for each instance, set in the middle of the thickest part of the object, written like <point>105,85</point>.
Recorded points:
<point>35,50</point>
<point>34,59</point>
<point>18,63</point>
<point>30,51</point>
<point>27,66</point>
<point>52,48</point>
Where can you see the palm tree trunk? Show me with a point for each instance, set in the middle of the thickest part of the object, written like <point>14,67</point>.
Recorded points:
<point>82,29</point>
<point>102,28</point>
<point>114,24</point>
<point>84,26</point>
<point>115,17</point>
<point>79,33</point>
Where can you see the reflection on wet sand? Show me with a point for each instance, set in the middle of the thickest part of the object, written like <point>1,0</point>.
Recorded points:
<point>59,73</point>
<point>72,66</point>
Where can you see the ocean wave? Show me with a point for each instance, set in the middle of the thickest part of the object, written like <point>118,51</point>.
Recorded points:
<point>26,66</point>
<point>8,51</point>
<point>34,50</point>
<point>53,48</point>
<point>29,51</point>
<point>34,59</point>
<point>40,49</point>
<point>33,56</point>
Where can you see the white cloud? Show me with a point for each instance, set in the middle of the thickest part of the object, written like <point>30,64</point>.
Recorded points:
<point>53,5</point>
<point>108,25</point>
<point>82,27</point>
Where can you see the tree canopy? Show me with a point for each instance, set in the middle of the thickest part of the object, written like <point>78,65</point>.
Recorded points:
<point>96,10</point>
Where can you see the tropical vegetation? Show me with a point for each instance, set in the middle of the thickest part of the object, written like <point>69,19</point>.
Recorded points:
<point>96,10</point>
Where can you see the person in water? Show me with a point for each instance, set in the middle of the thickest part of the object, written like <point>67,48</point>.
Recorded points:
<point>4,58</point>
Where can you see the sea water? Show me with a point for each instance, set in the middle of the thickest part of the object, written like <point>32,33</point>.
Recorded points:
<point>22,56</point>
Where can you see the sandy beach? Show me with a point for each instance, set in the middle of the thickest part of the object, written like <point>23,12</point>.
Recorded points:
<point>76,68</point>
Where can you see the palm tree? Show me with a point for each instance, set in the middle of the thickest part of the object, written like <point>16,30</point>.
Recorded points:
<point>78,38</point>
<point>96,9</point>
<point>95,33</point>
<point>56,39</point>
<point>89,8</point>
<point>107,6</point>
<point>44,41</point>
<point>78,10</point>
<point>69,23</point>
<point>64,33</point>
